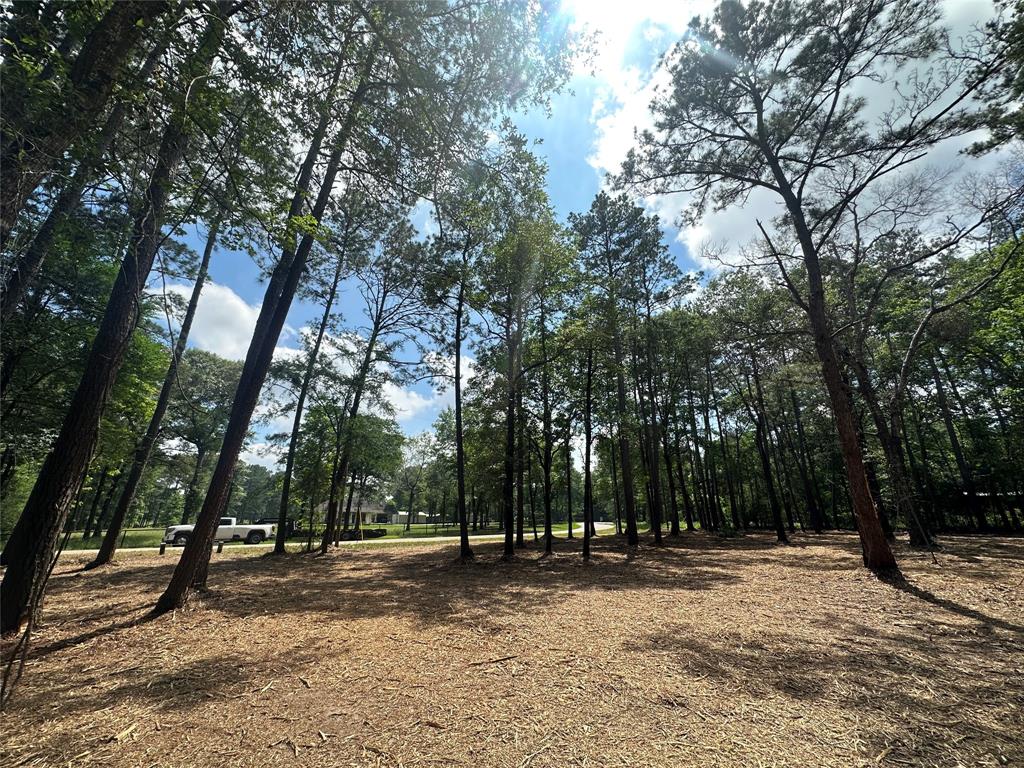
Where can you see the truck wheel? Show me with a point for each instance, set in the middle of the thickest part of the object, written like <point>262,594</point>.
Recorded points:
<point>180,539</point>
<point>254,537</point>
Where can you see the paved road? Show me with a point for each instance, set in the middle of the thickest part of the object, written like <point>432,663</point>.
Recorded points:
<point>600,527</point>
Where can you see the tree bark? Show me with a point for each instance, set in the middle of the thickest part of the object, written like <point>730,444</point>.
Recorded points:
<point>465,551</point>
<point>26,158</point>
<point>148,441</point>
<point>280,292</point>
<point>23,273</point>
<point>300,403</point>
<point>61,475</point>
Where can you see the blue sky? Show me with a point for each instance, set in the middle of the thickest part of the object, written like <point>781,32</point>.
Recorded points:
<point>576,138</point>
<point>585,136</point>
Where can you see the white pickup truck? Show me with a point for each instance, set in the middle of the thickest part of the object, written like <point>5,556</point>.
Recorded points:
<point>228,530</point>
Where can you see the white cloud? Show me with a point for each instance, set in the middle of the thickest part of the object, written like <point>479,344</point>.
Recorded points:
<point>224,321</point>
<point>265,454</point>
<point>410,405</point>
<point>625,91</point>
<point>422,218</point>
<point>407,402</point>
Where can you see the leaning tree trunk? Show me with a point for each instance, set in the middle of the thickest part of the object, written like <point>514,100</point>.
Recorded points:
<point>27,153</point>
<point>300,403</point>
<point>64,468</point>
<point>145,447</point>
<point>23,272</point>
<point>877,553</point>
<point>192,565</point>
<point>906,503</point>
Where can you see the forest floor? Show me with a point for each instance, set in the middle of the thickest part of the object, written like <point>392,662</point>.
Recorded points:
<point>706,652</point>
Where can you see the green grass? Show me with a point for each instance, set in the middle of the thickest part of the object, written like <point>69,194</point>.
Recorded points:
<point>425,530</point>
<point>133,537</point>
<point>151,537</point>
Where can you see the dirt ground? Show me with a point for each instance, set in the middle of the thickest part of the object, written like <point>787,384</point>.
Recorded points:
<point>707,652</point>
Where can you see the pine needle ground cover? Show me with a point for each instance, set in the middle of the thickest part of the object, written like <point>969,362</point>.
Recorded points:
<point>707,652</point>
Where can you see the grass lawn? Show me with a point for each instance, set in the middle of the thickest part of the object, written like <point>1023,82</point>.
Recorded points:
<point>704,652</point>
<point>150,537</point>
<point>133,537</point>
<point>420,530</point>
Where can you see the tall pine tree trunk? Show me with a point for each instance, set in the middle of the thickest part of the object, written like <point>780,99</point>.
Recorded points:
<point>27,153</point>
<point>588,485</point>
<point>465,551</point>
<point>508,478</point>
<point>148,441</point>
<point>191,568</point>
<point>23,273</point>
<point>568,477</point>
<point>64,468</point>
<point>300,403</point>
<point>876,551</point>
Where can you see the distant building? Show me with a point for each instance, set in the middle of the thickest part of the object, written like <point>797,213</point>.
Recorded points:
<point>401,517</point>
<point>373,513</point>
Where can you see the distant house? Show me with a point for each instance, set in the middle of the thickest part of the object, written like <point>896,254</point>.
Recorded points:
<point>372,513</point>
<point>401,517</point>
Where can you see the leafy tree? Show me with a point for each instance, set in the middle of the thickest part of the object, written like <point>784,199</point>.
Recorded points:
<point>763,98</point>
